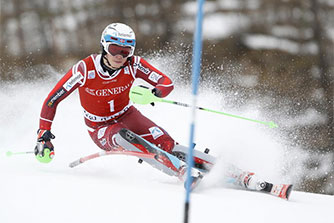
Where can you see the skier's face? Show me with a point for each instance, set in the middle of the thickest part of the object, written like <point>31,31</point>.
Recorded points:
<point>116,61</point>
<point>116,54</point>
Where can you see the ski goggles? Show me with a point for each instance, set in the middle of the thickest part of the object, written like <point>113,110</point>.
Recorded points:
<point>117,50</point>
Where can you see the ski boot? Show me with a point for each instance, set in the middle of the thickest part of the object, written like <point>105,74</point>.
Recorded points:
<point>195,179</point>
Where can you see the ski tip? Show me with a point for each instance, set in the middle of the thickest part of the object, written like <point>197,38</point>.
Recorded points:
<point>75,163</point>
<point>282,190</point>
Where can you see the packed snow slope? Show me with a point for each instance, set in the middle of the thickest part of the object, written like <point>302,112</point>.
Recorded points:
<point>118,189</point>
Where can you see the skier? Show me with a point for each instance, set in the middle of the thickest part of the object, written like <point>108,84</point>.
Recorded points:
<point>104,81</point>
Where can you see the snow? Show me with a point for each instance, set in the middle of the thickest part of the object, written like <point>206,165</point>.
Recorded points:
<point>216,25</point>
<point>247,80</point>
<point>269,42</point>
<point>286,31</point>
<point>310,117</point>
<point>190,7</point>
<point>14,48</point>
<point>118,189</point>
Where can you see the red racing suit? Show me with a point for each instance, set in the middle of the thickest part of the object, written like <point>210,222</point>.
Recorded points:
<point>105,100</point>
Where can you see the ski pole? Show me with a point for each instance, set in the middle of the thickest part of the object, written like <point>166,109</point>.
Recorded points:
<point>142,95</point>
<point>10,153</point>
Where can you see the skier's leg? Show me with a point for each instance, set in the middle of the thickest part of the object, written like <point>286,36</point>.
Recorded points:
<point>135,122</point>
<point>116,136</point>
<point>163,160</point>
<point>102,135</point>
<point>150,136</point>
<point>153,133</point>
<point>147,129</point>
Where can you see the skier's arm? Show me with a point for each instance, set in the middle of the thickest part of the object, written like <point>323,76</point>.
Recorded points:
<point>162,83</point>
<point>67,84</point>
<point>44,150</point>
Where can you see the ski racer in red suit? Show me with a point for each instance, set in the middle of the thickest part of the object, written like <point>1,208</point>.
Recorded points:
<point>104,82</point>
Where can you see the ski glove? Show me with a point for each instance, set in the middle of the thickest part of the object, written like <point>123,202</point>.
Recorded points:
<point>157,92</point>
<point>44,150</point>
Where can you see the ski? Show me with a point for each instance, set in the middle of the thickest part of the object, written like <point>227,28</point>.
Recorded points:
<point>251,181</point>
<point>281,190</point>
<point>163,160</point>
<point>113,152</point>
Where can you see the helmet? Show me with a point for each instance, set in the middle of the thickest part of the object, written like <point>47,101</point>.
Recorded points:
<point>118,34</point>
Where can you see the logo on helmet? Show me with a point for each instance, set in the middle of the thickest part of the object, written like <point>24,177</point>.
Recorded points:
<point>125,35</point>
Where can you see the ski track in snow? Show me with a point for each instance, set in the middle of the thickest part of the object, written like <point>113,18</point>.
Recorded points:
<point>118,189</point>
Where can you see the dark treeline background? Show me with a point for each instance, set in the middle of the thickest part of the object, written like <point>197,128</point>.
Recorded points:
<point>287,46</point>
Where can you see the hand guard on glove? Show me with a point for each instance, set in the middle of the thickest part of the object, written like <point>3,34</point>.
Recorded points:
<point>44,150</point>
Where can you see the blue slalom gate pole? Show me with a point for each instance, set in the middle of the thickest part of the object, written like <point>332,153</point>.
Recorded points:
<point>196,65</point>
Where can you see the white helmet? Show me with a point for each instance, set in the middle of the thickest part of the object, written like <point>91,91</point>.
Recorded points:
<point>118,34</point>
